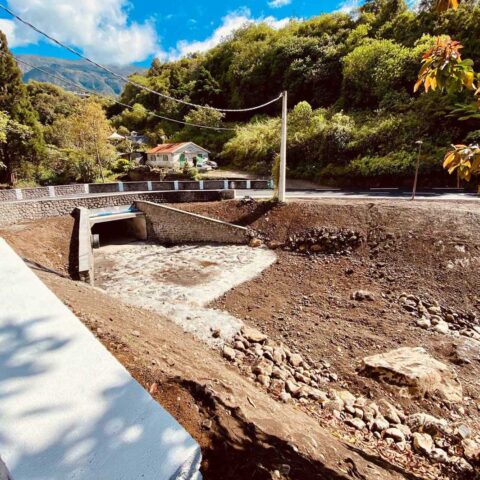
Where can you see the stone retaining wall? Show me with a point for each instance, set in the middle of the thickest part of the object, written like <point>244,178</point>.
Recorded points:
<point>170,226</point>
<point>119,187</point>
<point>7,195</point>
<point>64,190</point>
<point>13,212</point>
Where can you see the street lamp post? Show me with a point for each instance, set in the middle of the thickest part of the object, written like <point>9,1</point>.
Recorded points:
<point>283,151</point>
<point>419,143</point>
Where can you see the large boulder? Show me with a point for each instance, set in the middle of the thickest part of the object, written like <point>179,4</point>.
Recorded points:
<point>416,371</point>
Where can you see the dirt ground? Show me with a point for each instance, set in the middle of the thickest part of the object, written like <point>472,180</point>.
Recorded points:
<point>431,249</point>
<point>306,300</point>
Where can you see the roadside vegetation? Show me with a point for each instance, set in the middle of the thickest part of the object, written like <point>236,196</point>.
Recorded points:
<point>354,115</point>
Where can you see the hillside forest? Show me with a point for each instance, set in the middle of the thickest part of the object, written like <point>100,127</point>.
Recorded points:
<point>354,116</point>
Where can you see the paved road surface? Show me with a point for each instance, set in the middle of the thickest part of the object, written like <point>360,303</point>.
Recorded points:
<point>318,194</point>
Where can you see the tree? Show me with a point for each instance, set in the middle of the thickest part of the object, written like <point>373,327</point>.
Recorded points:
<point>20,145</point>
<point>444,69</point>
<point>51,102</point>
<point>3,133</point>
<point>87,132</point>
<point>3,127</point>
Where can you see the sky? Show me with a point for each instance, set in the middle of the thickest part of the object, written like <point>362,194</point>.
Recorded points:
<point>122,32</point>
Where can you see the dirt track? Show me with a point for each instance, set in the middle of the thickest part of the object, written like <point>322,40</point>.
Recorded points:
<point>305,302</point>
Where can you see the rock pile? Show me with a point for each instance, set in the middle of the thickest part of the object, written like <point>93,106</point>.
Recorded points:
<point>287,375</point>
<point>325,241</point>
<point>431,316</point>
<point>290,378</point>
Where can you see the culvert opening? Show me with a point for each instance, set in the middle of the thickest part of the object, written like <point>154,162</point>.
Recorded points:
<point>118,232</point>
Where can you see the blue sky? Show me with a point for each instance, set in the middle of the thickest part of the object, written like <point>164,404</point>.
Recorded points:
<point>125,32</point>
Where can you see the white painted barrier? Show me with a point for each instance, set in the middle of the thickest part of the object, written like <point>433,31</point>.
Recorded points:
<point>68,409</point>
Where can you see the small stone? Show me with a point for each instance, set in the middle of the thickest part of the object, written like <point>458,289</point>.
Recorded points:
<point>471,450</point>
<point>356,423</point>
<point>434,310</point>
<point>207,424</point>
<point>264,380</point>
<point>347,397</point>
<point>395,433</point>
<point>285,397</point>
<point>442,327</point>
<point>422,443</point>
<point>229,353</point>
<point>463,431</point>
<point>423,323</point>
<point>253,335</point>
<point>389,411</point>
<point>238,345</point>
<point>361,295</point>
<point>216,333</point>
<point>255,243</point>
<point>278,355</point>
<point>263,367</point>
<point>292,387</point>
<point>438,455</point>
<point>423,422</point>
<point>380,424</point>
<point>318,395</point>
<point>135,333</point>
<point>295,360</point>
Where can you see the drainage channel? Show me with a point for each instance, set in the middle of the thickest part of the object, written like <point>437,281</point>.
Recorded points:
<point>179,282</point>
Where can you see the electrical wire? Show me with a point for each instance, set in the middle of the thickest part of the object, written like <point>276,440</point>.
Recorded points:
<point>81,87</point>
<point>127,80</point>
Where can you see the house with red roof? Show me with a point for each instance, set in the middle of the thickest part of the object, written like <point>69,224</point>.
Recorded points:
<point>174,155</point>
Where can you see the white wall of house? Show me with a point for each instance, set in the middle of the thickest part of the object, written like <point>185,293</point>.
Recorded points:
<point>172,160</point>
<point>160,160</point>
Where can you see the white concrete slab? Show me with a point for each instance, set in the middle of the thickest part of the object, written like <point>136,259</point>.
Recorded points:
<point>68,409</point>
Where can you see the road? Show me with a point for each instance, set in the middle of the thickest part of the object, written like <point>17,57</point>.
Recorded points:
<point>375,194</point>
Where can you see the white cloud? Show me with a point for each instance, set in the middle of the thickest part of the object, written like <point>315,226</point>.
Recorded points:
<point>350,6</point>
<point>279,3</point>
<point>100,28</point>
<point>230,23</point>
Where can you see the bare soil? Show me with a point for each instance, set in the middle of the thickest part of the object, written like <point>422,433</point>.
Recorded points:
<point>304,301</point>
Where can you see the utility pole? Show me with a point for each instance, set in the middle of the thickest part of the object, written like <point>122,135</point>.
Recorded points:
<point>283,150</point>
<point>419,143</point>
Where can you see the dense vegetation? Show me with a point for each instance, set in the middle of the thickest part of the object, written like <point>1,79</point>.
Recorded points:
<point>354,116</point>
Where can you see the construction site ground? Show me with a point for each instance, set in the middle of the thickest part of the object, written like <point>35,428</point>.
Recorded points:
<point>431,250</point>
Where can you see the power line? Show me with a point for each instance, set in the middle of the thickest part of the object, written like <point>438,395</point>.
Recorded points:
<point>81,87</point>
<point>127,80</point>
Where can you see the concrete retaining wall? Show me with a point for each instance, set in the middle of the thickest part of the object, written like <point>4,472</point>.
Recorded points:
<point>170,226</point>
<point>85,254</point>
<point>119,187</point>
<point>13,212</point>
<point>69,410</point>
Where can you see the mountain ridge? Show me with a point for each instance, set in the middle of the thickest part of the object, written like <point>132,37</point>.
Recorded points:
<point>78,71</point>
